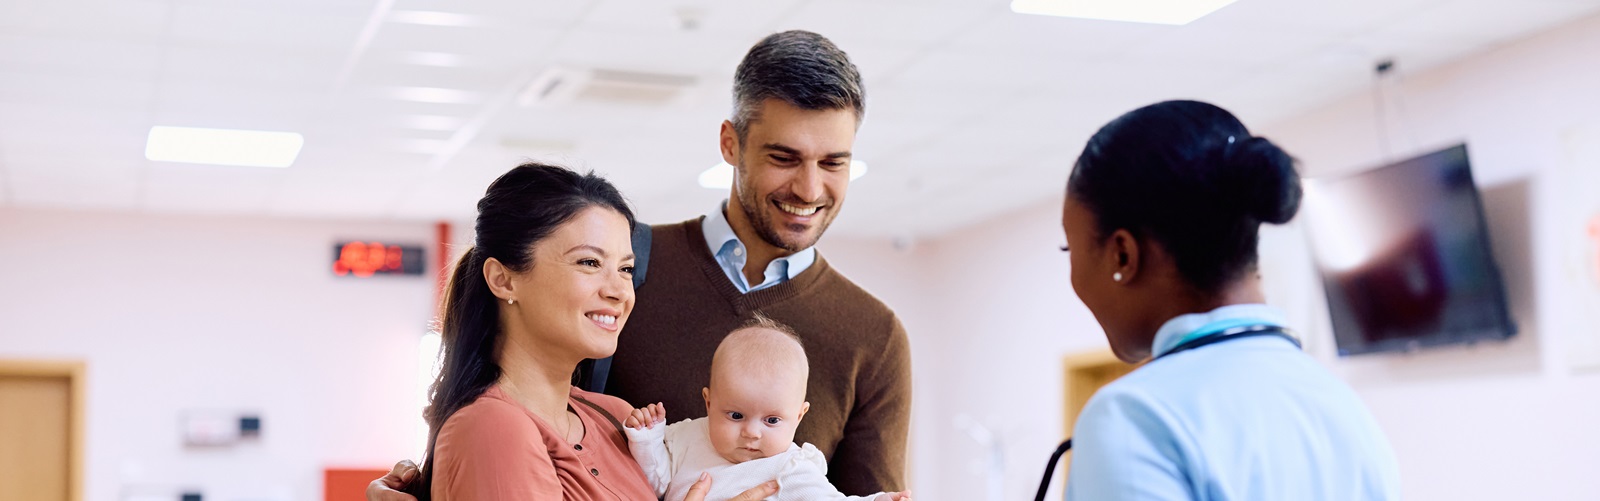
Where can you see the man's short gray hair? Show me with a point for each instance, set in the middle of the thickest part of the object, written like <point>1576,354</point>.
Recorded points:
<point>803,69</point>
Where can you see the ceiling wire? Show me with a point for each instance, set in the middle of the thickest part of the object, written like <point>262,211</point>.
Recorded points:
<point>380,12</point>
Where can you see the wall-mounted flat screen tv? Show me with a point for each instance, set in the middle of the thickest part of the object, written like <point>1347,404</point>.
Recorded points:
<point>1404,255</point>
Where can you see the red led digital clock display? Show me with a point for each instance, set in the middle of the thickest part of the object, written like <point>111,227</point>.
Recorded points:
<point>365,259</point>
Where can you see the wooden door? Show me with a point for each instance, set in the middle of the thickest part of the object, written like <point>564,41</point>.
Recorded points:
<point>40,420</point>
<point>1085,374</point>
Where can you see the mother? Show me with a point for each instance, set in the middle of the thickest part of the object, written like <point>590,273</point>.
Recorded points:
<point>547,285</point>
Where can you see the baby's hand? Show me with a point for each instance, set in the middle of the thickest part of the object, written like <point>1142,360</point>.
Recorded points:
<point>646,417</point>
<point>895,496</point>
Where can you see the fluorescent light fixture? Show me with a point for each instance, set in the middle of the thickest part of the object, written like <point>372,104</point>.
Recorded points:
<point>245,148</point>
<point>433,95</point>
<point>434,18</point>
<point>857,169</point>
<point>720,176</point>
<point>1174,12</point>
<point>440,59</point>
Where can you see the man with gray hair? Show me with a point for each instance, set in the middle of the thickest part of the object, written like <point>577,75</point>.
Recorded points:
<point>798,101</point>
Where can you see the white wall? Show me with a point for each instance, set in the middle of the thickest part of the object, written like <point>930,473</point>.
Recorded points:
<point>1510,420</point>
<point>1503,421</point>
<point>174,314</point>
<point>990,314</point>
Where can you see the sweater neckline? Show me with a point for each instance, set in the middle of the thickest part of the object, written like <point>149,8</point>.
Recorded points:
<point>754,300</point>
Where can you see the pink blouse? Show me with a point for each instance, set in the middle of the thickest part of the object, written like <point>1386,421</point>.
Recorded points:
<point>495,449</point>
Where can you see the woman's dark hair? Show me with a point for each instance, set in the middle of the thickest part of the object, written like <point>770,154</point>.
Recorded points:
<point>1189,175</point>
<point>520,209</point>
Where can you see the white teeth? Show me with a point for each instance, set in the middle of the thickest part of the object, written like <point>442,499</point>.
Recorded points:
<point>796,210</point>
<point>604,319</point>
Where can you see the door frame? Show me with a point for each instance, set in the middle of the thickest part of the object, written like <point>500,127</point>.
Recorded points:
<point>74,371</point>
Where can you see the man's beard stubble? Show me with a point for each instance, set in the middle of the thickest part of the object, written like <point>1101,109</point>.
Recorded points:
<point>761,221</point>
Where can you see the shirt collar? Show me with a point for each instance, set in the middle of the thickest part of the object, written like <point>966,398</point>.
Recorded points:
<point>717,230</point>
<point>722,241</point>
<point>1184,327</point>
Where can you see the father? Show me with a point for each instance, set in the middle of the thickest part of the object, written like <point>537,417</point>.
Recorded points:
<point>798,101</point>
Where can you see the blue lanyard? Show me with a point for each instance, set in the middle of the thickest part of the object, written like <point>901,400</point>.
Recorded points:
<point>1232,334</point>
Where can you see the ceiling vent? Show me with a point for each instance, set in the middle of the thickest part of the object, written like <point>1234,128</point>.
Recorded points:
<point>561,85</point>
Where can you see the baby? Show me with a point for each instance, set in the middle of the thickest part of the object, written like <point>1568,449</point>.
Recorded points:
<point>756,398</point>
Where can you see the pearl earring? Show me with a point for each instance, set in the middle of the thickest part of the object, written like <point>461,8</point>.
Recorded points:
<point>1117,276</point>
<point>511,301</point>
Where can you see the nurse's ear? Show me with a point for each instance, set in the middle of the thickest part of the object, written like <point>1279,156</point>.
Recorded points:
<point>1123,251</point>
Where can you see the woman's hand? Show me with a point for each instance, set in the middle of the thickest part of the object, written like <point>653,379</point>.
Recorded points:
<point>697,492</point>
<point>388,487</point>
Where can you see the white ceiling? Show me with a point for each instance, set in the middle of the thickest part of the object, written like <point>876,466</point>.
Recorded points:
<point>972,110</point>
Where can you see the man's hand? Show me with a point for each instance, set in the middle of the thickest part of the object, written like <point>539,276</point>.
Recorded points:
<point>646,417</point>
<point>697,492</point>
<point>895,496</point>
<point>388,487</point>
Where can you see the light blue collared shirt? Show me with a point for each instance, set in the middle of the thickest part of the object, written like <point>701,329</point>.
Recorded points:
<point>732,255</point>
<point>1246,419</point>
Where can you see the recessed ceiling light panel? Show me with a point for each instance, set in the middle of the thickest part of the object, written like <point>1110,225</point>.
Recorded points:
<point>1174,12</point>
<point>245,148</point>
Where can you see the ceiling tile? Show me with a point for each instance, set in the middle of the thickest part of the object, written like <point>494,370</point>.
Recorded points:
<point>117,138</point>
<point>264,27</point>
<point>501,42</point>
<point>78,56</point>
<point>1018,34</point>
<point>73,181</point>
<point>669,51</point>
<point>75,91</point>
<point>1317,16</point>
<point>142,20</point>
<point>541,12</point>
<point>1222,45</point>
<point>848,22</point>
<point>235,106</point>
<point>209,189</point>
<point>252,67</point>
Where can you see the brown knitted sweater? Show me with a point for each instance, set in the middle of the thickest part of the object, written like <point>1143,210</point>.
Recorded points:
<point>860,385</point>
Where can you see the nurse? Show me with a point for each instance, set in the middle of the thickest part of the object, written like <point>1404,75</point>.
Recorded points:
<point>1161,219</point>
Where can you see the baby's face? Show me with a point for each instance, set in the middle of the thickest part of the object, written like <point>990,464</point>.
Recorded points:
<point>753,417</point>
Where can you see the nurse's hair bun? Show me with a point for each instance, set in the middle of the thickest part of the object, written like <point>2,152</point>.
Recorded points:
<point>1260,178</point>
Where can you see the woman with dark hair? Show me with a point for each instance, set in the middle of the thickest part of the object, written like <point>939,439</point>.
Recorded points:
<point>1161,218</point>
<point>547,284</point>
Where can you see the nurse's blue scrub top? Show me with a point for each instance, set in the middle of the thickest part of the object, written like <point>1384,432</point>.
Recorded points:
<point>1245,419</point>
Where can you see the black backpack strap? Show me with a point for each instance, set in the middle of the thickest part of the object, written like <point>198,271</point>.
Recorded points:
<point>592,374</point>
<point>641,253</point>
<point>604,412</point>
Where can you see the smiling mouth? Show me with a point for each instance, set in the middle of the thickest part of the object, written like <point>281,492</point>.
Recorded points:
<point>604,320</point>
<point>796,210</point>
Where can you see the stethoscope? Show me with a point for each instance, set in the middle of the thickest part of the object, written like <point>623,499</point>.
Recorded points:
<point>1247,331</point>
